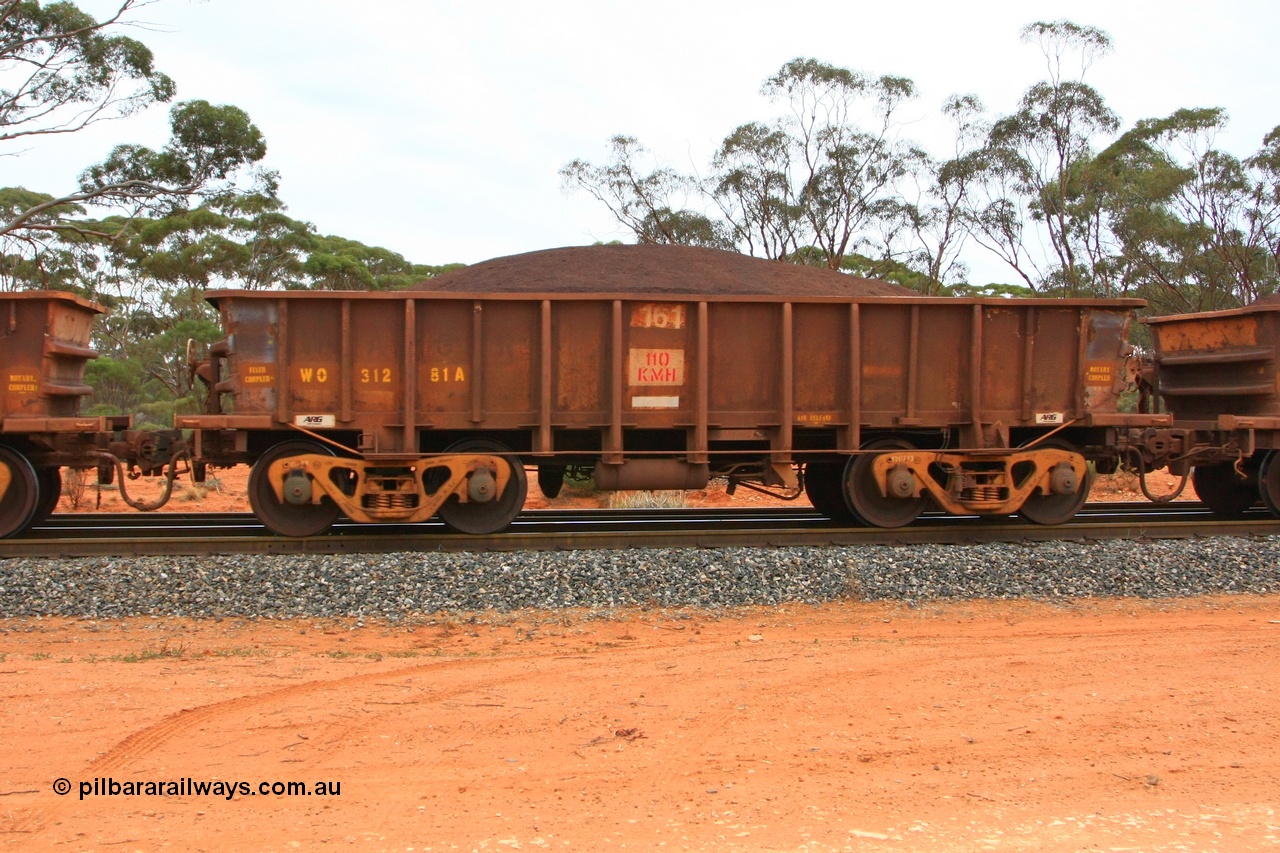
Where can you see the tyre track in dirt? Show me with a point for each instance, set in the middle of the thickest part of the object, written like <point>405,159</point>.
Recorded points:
<point>148,740</point>
<point>153,737</point>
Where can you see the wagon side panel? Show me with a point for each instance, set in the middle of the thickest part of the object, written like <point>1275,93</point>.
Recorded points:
<point>745,357</point>
<point>44,349</point>
<point>312,376</point>
<point>378,366</point>
<point>942,387</point>
<point>579,374</point>
<point>508,390</point>
<point>1054,372</point>
<point>1005,394</point>
<point>450,368</point>
<point>1222,363</point>
<point>821,365</point>
<point>885,358</point>
<point>252,329</point>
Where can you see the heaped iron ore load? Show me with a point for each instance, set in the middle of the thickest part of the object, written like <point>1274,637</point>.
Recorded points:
<point>44,348</point>
<point>653,269</point>
<point>399,406</point>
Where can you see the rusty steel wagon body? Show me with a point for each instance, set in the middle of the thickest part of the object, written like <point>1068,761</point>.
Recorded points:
<point>1219,376</point>
<point>44,348</point>
<point>399,406</point>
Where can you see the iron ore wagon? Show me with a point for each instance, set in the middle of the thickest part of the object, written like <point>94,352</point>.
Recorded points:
<point>401,406</point>
<point>44,348</point>
<point>1219,377</point>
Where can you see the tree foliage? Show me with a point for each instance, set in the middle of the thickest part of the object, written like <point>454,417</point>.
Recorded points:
<point>1186,225</point>
<point>1072,203</point>
<point>647,202</point>
<point>932,211</point>
<point>821,176</point>
<point>63,70</point>
<point>1027,176</point>
<point>146,230</point>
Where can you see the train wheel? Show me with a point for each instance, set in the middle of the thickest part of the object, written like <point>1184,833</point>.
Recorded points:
<point>1222,490</point>
<point>22,497</point>
<point>50,490</point>
<point>286,519</point>
<point>1269,482</point>
<point>477,518</point>
<point>1056,509</point>
<point>863,495</point>
<point>824,486</point>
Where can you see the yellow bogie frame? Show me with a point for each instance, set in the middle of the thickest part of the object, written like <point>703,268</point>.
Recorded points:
<point>389,491</point>
<point>981,483</point>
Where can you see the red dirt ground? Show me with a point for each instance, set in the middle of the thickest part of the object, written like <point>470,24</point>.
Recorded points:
<point>1114,725</point>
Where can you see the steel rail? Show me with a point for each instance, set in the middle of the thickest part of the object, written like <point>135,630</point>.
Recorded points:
<point>194,534</point>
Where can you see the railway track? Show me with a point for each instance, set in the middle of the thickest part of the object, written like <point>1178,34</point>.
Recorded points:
<point>102,534</point>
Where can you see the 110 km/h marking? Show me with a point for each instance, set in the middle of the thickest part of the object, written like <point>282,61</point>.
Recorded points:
<point>656,367</point>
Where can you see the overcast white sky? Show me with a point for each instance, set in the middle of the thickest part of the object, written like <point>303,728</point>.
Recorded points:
<point>437,128</point>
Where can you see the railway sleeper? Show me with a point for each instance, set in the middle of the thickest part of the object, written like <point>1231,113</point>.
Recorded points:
<point>983,484</point>
<point>406,492</point>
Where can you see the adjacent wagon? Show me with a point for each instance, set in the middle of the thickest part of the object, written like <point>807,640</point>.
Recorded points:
<point>1218,375</point>
<point>44,348</point>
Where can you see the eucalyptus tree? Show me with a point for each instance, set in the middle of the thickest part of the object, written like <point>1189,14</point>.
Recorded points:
<point>649,202</point>
<point>821,177</point>
<point>1191,227</point>
<point>42,261</point>
<point>1264,214</point>
<point>932,214</point>
<point>822,181</point>
<point>846,158</point>
<point>1026,176</point>
<point>64,70</point>
<point>753,189</point>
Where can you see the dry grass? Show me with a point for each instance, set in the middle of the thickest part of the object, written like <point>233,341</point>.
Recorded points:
<point>647,500</point>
